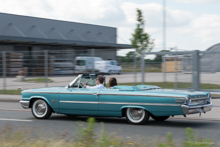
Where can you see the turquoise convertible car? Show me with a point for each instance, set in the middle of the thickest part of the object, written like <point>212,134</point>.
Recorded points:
<point>136,103</point>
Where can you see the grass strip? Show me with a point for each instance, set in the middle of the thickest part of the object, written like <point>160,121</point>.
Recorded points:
<point>139,70</point>
<point>12,92</point>
<point>38,80</point>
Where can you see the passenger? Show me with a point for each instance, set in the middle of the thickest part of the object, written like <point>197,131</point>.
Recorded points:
<point>112,82</point>
<point>99,81</point>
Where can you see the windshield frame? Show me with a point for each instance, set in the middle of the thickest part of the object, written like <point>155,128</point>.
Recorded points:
<point>78,78</point>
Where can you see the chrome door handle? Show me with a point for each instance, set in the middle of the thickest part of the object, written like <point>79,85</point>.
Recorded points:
<point>96,94</point>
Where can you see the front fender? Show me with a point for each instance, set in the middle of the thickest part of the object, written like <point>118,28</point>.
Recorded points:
<point>40,97</point>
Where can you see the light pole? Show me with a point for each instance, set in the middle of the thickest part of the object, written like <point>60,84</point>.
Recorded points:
<point>164,40</point>
<point>164,24</point>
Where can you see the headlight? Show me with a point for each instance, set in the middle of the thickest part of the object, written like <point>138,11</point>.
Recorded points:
<point>209,98</point>
<point>188,101</point>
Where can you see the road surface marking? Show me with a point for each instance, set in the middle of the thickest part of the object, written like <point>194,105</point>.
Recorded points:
<point>22,110</point>
<point>15,119</point>
<point>196,119</point>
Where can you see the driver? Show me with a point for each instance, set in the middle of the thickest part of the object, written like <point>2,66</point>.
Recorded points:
<point>99,81</point>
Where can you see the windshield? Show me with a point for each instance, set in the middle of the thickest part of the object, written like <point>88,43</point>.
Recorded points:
<point>80,62</point>
<point>89,79</point>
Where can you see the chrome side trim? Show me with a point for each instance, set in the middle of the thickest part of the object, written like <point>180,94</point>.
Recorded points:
<point>123,95</point>
<point>144,95</point>
<point>119,103</point>
<point>140,103</point>
<point>42,92</point>
<point>25,104</point>
<point>76,93</point>
<point>81,102</point>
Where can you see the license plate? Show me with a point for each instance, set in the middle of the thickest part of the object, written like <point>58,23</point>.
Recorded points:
<point>200,101</point>
<point>206,109</point>
<point>194,111</point>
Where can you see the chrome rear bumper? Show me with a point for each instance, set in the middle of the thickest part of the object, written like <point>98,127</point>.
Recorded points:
<point>25,104</point>
<point>187,109</point>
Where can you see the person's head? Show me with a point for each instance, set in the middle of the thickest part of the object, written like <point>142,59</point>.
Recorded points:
<point>112,82</point>
<point>100,79</point>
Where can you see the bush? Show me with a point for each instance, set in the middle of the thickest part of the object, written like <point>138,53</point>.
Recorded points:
<point>88,138</point>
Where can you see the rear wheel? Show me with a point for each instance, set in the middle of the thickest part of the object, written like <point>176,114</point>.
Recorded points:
<point>40,109</point>
<point>160,118</point>
<point>137,115</point>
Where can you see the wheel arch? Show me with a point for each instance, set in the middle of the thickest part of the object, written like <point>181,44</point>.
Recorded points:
<point>39,97</point>
<point>123,109</point>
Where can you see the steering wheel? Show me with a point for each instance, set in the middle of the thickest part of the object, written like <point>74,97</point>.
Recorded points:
<point>81,85</point>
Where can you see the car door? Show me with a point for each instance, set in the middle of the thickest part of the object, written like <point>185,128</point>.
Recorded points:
<point>79,101</point>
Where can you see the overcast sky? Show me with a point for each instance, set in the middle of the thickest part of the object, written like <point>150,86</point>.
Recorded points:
<point>191,24</point>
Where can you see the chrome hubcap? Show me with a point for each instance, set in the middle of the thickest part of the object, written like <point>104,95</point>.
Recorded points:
<point>40,108</point>
<point>136,113</point>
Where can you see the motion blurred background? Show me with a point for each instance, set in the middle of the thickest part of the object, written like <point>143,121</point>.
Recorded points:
<point>50,43</point>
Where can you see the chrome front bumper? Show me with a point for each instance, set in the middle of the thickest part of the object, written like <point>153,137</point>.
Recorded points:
<point>25,104</point>
<point>187,109</point>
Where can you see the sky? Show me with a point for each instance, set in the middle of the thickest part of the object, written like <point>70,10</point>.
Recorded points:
<point>190,24</point>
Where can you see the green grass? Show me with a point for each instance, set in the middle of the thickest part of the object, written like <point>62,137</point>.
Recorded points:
<point>38,80</point>
<point>13,92</point>
<point>139,70</point>
<point>86,137</point>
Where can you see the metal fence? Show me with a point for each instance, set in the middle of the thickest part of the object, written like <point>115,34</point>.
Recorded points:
<point>25,69</point>
<point>194,70</point>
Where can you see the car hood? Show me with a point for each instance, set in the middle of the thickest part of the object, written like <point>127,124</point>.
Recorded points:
<point>46,89</point>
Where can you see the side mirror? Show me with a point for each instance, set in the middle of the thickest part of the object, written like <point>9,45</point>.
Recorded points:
<point>68,86</point>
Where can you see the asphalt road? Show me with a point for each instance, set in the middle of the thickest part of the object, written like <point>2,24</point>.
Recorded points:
<point>14,115</point>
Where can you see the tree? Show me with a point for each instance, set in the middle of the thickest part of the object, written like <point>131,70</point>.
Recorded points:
<point>130,55</point>
<point>140,40</point>
<point>158,58</point>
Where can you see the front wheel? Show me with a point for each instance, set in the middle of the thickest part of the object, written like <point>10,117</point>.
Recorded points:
<point>137,115</point>
<point>160,118</point>
<point>40,109</point>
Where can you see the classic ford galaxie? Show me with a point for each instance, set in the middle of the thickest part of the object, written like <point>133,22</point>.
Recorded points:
<point>136,103</point>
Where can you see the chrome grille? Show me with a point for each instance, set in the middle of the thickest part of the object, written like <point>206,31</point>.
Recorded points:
<point>199,96</point>
<point>200,101</point>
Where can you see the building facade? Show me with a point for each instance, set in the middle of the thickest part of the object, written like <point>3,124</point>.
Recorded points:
<point>31,36</point>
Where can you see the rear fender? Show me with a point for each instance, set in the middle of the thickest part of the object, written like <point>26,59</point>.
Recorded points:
<point>124,107</point>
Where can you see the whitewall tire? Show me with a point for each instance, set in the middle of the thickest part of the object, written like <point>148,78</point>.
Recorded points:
<point>40,109</point>
<point>137,115</point>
